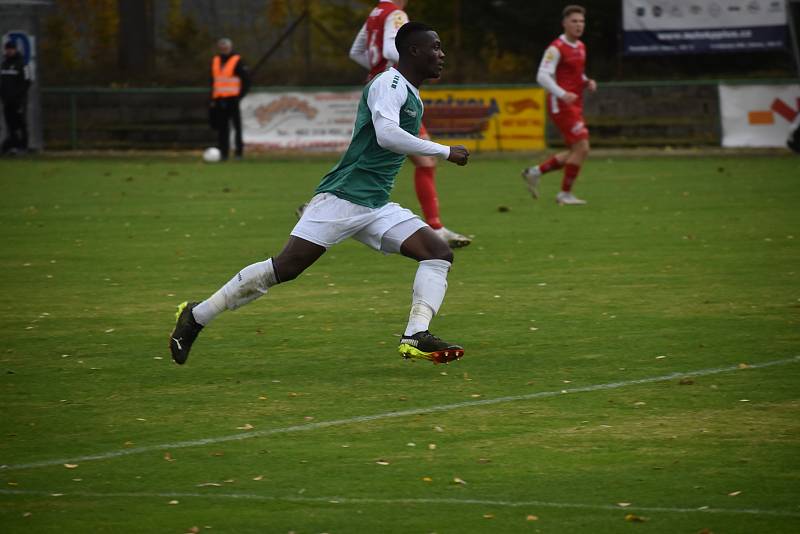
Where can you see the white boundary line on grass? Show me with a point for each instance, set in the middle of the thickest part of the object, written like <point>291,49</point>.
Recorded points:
<point>388,415</point>
<point>360,500</point>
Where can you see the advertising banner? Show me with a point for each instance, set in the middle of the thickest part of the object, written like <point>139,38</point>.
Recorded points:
<point>299,121</point>
<point>758,115</point>
<point>493,119</point>
<point>656,27</point>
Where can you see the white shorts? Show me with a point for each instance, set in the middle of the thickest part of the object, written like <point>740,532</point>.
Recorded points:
<point>328,220</point>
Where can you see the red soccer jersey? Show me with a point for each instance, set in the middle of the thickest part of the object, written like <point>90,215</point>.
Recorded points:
<point>571,62</point>
<point>376,27</point>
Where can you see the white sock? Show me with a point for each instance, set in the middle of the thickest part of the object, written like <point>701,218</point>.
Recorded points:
<point>250,283</point>
<point>430,285</point>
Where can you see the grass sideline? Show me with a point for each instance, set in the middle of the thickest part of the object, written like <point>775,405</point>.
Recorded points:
<point>677,264</point>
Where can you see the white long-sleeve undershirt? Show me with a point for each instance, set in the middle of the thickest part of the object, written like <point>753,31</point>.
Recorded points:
<point>358,51</point>
<point>391,137</point>
<point>386,97</point>
<point>546,76</point>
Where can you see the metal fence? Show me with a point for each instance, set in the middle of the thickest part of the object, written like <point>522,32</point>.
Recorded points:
<point>619,114</point>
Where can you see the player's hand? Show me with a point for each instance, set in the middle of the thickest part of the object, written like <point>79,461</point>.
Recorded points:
<point>458,155</point>
<point>569,98</point>
<point>591,85</point>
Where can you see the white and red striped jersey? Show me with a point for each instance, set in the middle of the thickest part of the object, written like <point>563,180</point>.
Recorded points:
<point>374,47</point>
<point>562,68</point>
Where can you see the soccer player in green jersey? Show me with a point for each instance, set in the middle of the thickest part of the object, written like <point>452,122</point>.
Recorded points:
<point>353,201</point>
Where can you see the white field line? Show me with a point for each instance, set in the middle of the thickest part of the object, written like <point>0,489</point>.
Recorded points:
<point>359,500</point>
<point>387,415</point>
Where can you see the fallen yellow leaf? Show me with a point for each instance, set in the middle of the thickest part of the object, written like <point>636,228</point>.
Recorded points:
<point>488,516</point>
<point>459,481</point>
<point>427,479</point>
<point>259,477</point>
<point>70,466</point>
<point>173,502</point>
<point>532,518</point>
<point>247,426</point>
<point>734,493</point>
<point>635,518</point>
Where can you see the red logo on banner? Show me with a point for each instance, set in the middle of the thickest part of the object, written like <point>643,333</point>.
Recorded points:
<point>767,117</point>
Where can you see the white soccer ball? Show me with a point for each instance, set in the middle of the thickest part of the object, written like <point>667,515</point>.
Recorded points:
<point>212,155</point>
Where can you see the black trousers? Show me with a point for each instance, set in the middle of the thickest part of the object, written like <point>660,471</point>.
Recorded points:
<point>229,113</point>
<point>17,135</point>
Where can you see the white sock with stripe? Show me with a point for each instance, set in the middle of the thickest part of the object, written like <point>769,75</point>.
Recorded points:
<point>430,285</point>
<point>250,283</point>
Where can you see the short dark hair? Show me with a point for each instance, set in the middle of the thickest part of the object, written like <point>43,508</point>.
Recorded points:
<point>405,36</point>
<point>573,8</point>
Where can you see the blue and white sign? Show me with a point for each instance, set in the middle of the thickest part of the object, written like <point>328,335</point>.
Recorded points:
<point>665,27</point>
<point>26,45</point>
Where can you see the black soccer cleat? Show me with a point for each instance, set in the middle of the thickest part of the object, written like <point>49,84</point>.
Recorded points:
<point>426,346</point>
<point>185,332</point>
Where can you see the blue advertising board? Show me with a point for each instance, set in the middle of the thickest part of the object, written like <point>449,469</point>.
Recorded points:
<point>659,27</point>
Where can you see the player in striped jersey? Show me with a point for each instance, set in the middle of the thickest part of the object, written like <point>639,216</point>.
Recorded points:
<point>561,73</point>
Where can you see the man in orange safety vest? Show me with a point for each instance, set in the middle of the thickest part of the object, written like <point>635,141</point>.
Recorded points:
<point>230,81</point>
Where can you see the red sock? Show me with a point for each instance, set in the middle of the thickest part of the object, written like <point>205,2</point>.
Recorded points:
<point>551,164</point>
<point>570,175</point>
<point>426,194</point>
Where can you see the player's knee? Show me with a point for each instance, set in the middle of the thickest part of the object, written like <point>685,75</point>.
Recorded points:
<point>287,268</point>
<point>443,252</point>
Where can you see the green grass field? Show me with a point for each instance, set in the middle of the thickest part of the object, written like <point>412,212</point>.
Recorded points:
<point>295,413</point>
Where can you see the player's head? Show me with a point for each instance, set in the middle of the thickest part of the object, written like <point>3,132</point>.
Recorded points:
<point>225,46</point>
<point>419,46</point>
<point>573,19</point>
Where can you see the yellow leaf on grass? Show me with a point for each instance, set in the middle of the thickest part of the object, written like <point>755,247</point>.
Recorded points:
<point>633,518</point>
<point>259,477</point>
<point>488,516</point>
<point>532,517</point>
<point>734,493</point>
<point>382,462</point>
<point>247,426</point>
<point>168,457</point>
<point>623,504</point>
<point>70,466</point>
<point>427,479</point>
<point>173,502</point>
<point>459,481</point>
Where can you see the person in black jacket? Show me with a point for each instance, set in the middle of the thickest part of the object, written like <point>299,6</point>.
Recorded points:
<point>794,136</point>
<point>14,84</point>
<point>230,81</point>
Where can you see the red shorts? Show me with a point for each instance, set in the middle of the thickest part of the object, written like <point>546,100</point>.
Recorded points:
<point>569,120</point>
<point>423,132</point>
